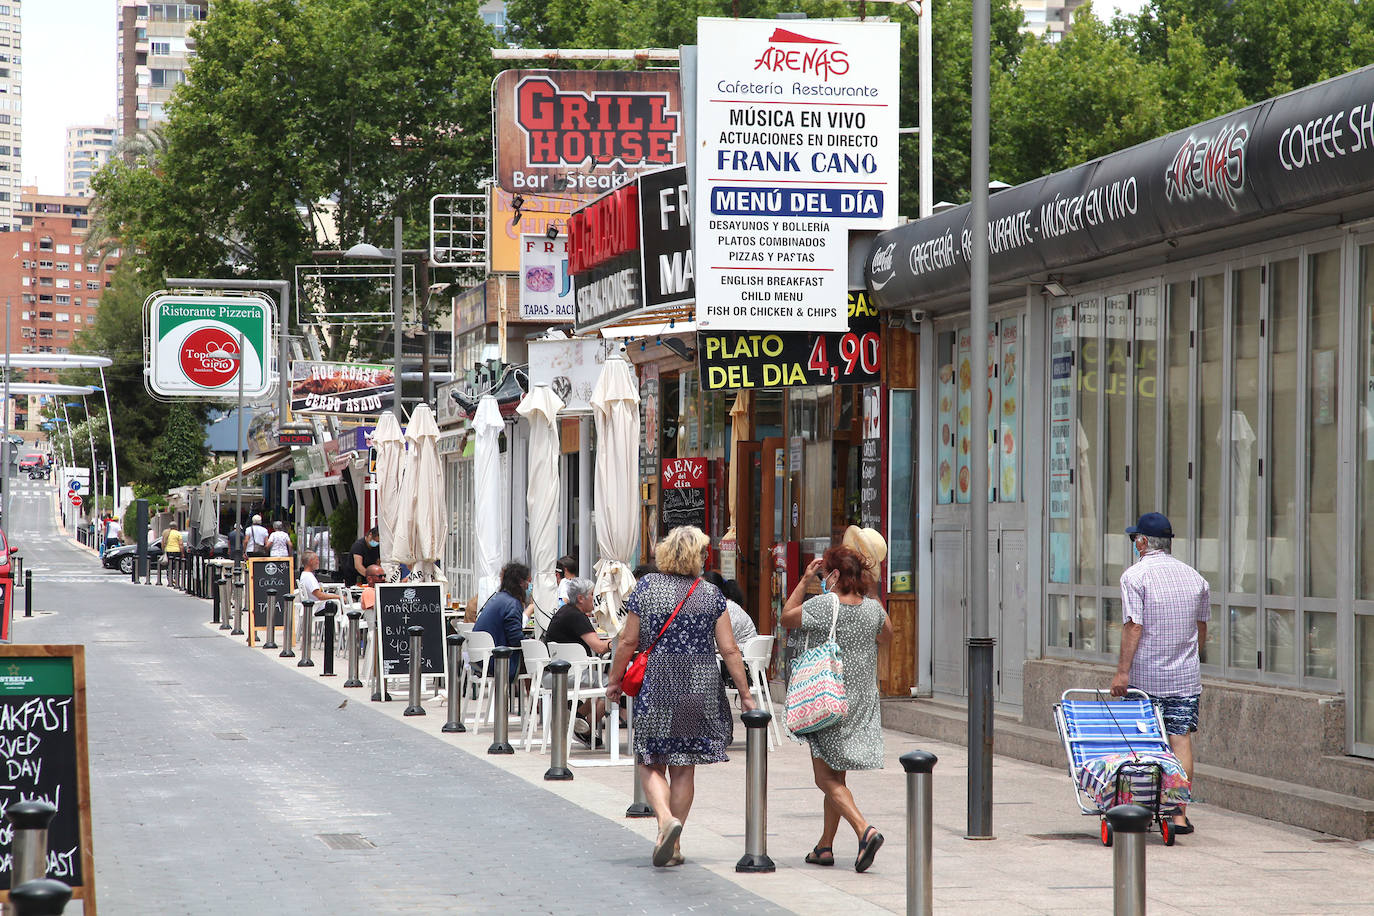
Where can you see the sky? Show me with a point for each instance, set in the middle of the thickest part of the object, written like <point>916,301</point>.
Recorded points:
<point>69,62</point>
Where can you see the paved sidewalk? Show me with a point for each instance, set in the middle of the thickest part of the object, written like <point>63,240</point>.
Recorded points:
<point>1047,857</point>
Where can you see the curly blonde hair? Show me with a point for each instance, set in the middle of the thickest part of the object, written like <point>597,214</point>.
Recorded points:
<point>680,551</point>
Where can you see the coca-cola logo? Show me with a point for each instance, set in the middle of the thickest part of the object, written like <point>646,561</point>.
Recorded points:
<point>882,264</point>
<point>209,357</point>
<point>824,61</point>
<point>1209,166</point>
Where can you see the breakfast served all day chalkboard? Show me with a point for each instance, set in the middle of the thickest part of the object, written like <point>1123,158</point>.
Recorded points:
<point>43,756</point>
<point>400,606</point>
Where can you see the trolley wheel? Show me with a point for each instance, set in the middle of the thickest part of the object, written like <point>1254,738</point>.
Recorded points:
<point>1166,830</point>
<point>1106,833</point>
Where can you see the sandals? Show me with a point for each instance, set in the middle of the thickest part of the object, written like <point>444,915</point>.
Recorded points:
<point>868,848</point>
<point>666,847</point>
<point>821,855</point>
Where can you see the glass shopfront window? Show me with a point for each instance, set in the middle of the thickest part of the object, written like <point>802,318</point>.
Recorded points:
<point>1284,454</point>
<point>1323,355</point>
<point>1243,428</point>
<point>1211,336</point>
<point>1061,438</point>
<point>1178,465</point>
<point>1087,447</point>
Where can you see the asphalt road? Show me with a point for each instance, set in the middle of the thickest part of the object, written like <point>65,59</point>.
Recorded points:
<point>225,783</point>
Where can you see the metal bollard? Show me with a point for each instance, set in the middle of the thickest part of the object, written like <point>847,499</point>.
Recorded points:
<point>288,625</point>
<point>558,758</point>
<point>455,679</point>
<point>238,591</point>
<point>417,637</point>
<point>640,806</point>
<point>226,598</point>
<point>214,599</point>
<point>271,620</point>
<point>307,621</point>
<point>1128,824</point>
<point>355,620</point>
<point>42,897</point>
<point>29,822</point>
<point>755,857</point>
<point>500,730</point>
<point>919,766</point>
<point>28,593</point>
<point>328,612</point>
<point>159,571</point>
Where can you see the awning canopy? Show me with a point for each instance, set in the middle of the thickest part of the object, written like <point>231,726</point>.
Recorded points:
<point>268,461</point>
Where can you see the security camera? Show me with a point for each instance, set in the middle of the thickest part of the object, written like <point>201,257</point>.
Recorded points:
<point>918,315</point>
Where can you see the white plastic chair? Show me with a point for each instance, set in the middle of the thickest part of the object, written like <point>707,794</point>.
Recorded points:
<point>478,648</point>
<point>576,654</point>
<point>756,653</point>
<point>536,656</point>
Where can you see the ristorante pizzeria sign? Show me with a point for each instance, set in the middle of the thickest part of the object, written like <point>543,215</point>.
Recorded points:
<point>1298,150</point>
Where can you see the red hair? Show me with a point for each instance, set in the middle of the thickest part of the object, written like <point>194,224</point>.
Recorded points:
<point>854,575</point>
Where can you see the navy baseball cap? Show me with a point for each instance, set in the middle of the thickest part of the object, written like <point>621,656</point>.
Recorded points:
<point>1152,525</point>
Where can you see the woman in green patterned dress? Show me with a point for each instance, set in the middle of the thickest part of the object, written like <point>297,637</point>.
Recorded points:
<point>856,742</point>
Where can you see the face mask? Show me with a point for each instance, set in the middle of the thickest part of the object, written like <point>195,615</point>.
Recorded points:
<point>372,543</point>
<point>1135,551</point>
<point>529,588</point>
<point>825,586</point>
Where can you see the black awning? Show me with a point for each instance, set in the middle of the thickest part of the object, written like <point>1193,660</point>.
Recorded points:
<point>1301,149</point>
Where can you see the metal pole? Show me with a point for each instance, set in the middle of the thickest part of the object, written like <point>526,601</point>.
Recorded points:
<point>28,593</point>
<point>215,596</point>
<point>558,756</point>
<point>288,625</point>
<point>398,262</point>
<point>141,550</point>
<point>355,618</point>
<point>5,442</point>
<point>41,897</point>
<point>328,612</point>
<point>109,420</point>
<point>980,644</point>
<point>755,857</point>
<point>919,766</point>
<point>29,822</point>
<point>455,690</point>
<point>416,660</point>
<point>307,621</point>
<point>238,591</point>
<point>271,619</point>
<point>500,743</point>
<point>640,807</point>
<point>1128,824</point>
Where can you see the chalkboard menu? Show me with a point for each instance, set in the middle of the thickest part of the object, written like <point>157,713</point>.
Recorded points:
<point>400,606</point>
<point>871,484</point>
<point>43,752</point>
<point>683,498</point>
<point>266,573</point>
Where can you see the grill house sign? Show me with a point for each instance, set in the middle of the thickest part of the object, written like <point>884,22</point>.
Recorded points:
<point>1298,150</point>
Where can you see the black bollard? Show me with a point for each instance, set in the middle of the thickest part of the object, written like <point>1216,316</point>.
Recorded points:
<point>417,636</point>
<point>225,590</point>
<point>1127,825</point>
<point>28,592</point>
<point>29,822</point>
<point>271,620</point>
<point>214,599</point>
<point>558,756</point>
<point>919,766</point>
<point>43,897</point>
<point>500,731</point>
<point>455,678</point>
<point>238,602</point>
<point>288,625</point>
<point>307,622</point>
<point>355,619</point>
<point>755,857</point>
<point>328,612</point>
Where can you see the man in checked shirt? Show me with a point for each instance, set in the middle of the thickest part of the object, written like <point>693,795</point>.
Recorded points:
<point>1165,605</point>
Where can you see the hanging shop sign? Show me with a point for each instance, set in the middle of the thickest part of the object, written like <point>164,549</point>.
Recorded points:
<point>732,360</point>
<point>570,367</point>
<point>536,216</point>
<point>648,423</point>
<point>192,345</point>
<point>683,498</point>
<point>1299,150</point>
<point>564,132</point>
<point>545,285</point>
<point>665,228</point>
<point>340,389</point>
<point>799,127</point>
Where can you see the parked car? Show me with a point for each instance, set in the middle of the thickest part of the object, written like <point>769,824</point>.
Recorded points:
<point>32,460</point>
<point>123,557</point>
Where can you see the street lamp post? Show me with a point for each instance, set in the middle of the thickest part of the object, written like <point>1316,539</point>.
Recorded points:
<point>114,462</point>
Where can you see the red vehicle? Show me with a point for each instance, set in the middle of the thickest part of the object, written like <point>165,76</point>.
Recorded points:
<point>6,590</point>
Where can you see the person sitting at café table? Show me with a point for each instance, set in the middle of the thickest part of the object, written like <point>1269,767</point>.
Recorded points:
<point>374,574</point>
<point>504,612</point>
<point>573,624</point>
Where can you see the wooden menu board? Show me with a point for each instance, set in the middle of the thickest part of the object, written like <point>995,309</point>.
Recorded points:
<point>43,755</point>
<point>269,573</point>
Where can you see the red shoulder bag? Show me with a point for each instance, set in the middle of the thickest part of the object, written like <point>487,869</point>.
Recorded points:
<point>633,681</point>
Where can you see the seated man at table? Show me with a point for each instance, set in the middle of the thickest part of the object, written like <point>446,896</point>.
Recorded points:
<point>573,624</point>
<point>374,574</point>
<point>504,613</point>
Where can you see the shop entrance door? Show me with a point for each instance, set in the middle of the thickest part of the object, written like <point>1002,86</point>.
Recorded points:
<point>767,476</point>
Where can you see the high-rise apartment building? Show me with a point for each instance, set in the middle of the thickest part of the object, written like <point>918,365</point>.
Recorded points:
<point>11,112</point>
<point>50,283</point>
<point>88,149</point>
<point>1048,17</point>
<point>152,53</point>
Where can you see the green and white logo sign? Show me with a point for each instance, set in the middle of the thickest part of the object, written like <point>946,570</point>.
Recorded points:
<point>193,345</point>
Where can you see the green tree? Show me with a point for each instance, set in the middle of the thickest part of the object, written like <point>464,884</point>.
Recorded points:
<point>179,452</point>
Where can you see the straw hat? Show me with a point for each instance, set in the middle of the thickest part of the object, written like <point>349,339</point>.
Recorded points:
<point>868,543</point>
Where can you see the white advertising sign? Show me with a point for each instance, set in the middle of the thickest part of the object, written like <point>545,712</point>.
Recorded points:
<point>193,345</point>
<point>546,291</point>
<point>798,129</point>
<point>570,367</point>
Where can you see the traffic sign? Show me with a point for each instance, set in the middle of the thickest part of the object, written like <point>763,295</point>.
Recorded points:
<point>76,500</point>
<point>193,345</point>
<point>74,485</point>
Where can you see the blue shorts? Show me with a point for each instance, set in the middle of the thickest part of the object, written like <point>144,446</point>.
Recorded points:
<point>1180,713</point>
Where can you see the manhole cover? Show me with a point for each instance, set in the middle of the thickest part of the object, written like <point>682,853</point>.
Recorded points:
<point>345,841</point>
<point>231,736</point>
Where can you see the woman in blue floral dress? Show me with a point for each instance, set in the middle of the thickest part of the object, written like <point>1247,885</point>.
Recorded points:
<point>682,717</point>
